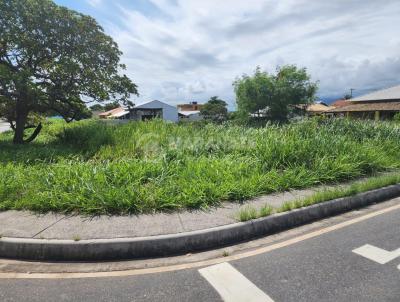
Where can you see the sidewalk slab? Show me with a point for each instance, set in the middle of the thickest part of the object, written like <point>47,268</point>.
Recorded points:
<point>113,227</point>
<point>25,224</point>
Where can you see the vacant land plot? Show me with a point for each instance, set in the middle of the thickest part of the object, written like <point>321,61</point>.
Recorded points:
<point>94,168</point>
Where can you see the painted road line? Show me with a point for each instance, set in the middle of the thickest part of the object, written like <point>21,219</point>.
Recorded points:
<point>377,254</point>
<point>232,285</point>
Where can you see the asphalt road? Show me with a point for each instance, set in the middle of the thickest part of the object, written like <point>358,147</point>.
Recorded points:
<point>321,268</point>
<point>4,126</point>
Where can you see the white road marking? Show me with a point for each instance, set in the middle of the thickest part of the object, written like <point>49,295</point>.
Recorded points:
<point>232,285</point>
<point>377,254</point>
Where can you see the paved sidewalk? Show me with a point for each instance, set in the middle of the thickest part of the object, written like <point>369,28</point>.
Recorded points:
<point>24,224</point>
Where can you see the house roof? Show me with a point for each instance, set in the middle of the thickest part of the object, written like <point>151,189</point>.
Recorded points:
<point>392,93</point>
<point>189,112</point>
<point>370,106</point>
<point>114,112</point>
<point>340,103</point>
<point>318,107</point>
<point>144,104</point>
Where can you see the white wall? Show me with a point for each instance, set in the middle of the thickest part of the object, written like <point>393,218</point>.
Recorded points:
<point>193,117</point>
<point>170,113</point>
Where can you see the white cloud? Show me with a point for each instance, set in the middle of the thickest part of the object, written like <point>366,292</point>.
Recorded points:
<point>192,50</point>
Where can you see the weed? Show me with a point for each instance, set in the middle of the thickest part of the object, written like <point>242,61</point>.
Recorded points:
<point>265,211</point>
<point>247,213</point>
<point>90,167</point>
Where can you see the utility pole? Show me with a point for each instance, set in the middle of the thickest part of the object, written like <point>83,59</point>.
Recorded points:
<point>351,92</point>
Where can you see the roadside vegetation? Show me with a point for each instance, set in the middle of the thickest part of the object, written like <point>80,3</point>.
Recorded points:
<point>91,167</point>
<point>250,212</point>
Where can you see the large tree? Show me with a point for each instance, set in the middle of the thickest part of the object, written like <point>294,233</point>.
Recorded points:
<point>214,110</point>
<point>53,59</point>
<point>271,95</point>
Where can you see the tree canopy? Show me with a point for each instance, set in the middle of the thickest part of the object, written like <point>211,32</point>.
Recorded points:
<point>53,59</point>
<point>214,110</point>
<point>270,95</point>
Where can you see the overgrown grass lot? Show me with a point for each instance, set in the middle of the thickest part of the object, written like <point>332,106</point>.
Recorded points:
<point>95,168</point>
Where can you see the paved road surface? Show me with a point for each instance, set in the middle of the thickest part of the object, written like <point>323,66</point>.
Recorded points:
<point>327,267</point>
<point>4,126</point>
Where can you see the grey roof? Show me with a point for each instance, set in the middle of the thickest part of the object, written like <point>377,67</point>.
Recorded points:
<point>144,104</point>
<point>392,93</point>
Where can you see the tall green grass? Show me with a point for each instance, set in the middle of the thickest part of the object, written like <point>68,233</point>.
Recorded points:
<point>96,168</point>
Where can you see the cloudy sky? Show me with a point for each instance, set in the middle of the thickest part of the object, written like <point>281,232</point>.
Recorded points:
<point>190,50</point>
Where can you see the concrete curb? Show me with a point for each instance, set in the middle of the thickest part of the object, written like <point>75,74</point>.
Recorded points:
<point>175,244</point>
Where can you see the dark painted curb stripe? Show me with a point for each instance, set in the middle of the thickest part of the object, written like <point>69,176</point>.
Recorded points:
<point>175,244</point>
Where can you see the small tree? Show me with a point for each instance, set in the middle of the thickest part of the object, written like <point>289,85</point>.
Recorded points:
<point>271,95</point>
<point>53,59</point>
<point>215,110</point>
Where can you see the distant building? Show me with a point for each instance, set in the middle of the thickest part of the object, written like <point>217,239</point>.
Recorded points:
<point>190,115</point>
<point>313,109</point>
<point>153,109</point>
<point>381,104</point>
<point>317,109</point>
<point>192,106</point>
<point>143,111</point>
<point>340,103</point>
<point>190,111</point>
<point>117,113</point>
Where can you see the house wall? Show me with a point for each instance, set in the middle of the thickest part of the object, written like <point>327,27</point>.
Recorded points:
<point>192,117</point>
<point>169,113</point>
<point>189,107</point>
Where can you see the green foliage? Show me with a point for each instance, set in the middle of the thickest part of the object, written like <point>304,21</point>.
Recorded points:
<point>247,213</point>
<point>51,60</point>
<point>330,194</point>
<point>96,107</point>
<point>110,106</point>
<point>94,167</point>
<point>396,117</point>
<point>270,95</point>
<point>215,110</point>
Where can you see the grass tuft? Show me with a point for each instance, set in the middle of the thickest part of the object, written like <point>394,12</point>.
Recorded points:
<point>340,192</point>
<point>247,213</point>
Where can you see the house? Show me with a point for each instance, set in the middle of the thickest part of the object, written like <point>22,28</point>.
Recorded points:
<point>313,109</point>
<point>340,103</point>
<point>154,109</point>
<point>381,104</point>
<point>190,111</point>
<point>117,113</point>
<point>190,115</point>
<point>192,106</point>
<point>317,109</point>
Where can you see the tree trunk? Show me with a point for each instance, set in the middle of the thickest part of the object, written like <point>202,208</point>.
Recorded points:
<point>20,122</point>
<point>34,134</point>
